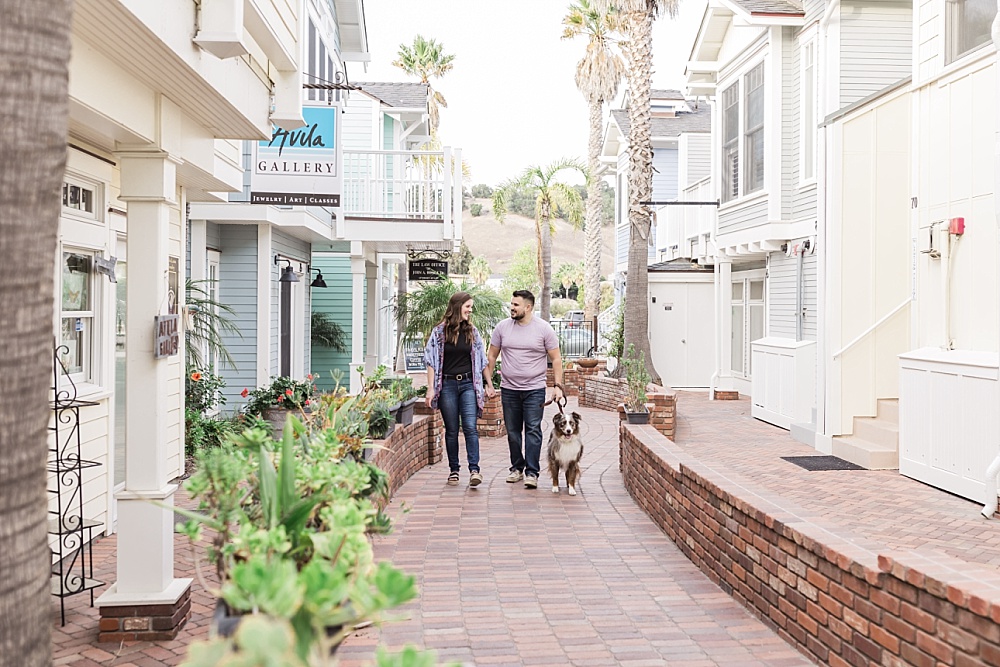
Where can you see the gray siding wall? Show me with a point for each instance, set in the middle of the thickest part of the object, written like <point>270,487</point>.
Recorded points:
<point>238,290</point>
<point>876,47</point>
<point>335,302</point>
<point>213,238</point>
<point>244,195</point>
<point>782,273</point>
<point>796,203</point>
<point>744,217</point>
<point>288,246</point>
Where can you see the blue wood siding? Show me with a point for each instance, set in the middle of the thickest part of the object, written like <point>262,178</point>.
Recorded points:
<point>664,174</point>
<point>238,290</point>
<point>335,302</point>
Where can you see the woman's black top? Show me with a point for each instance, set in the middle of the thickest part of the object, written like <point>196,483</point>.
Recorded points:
<point>458,357</point>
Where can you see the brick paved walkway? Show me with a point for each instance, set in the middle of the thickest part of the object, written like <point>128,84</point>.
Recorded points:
<point>516,577</point>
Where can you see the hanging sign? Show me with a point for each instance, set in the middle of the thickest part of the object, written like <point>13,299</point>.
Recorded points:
<point>107,267</point>
<point>299,167</point>
<point>428,269</point>
<point>167,335</point>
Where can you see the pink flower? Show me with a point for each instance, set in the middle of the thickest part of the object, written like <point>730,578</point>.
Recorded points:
<point>309,377</point>
<point>245,392</point>
<point>288,392</point>
<point>308,401</point>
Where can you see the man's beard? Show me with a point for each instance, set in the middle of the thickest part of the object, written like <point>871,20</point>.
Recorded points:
<point>516,317</point>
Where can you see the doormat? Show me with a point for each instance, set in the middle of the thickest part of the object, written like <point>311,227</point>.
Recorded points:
<point>819,463</point>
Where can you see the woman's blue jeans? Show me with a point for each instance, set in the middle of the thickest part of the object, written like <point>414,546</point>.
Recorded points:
<point>458,406</point>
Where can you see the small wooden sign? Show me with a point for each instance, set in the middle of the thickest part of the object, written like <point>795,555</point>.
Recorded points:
<point>167,337</point>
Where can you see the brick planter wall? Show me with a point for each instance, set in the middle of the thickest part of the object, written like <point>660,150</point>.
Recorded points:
<point>575,377</point>
<point>837,599</point>
<point>410,448</point>
<point>491,425</point>
<point>603,393</point>
<point>156,622</point>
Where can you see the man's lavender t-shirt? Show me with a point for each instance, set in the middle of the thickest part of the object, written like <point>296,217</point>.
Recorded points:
<point>524,351</point>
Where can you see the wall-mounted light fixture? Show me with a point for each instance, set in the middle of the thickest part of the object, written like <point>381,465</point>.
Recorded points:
<point>318,281</point>
<point>288,274</point>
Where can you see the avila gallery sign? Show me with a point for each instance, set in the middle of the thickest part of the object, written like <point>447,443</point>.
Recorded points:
<point>299,167</point>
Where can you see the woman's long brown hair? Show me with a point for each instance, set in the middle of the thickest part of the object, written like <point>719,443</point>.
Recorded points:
<point>452,320</point>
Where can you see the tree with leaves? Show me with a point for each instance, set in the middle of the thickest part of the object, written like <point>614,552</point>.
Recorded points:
<point>522,271</point>
<point>34,105</point>
<point>427,60</point>
<point>635,22</point>
<point>597,76</point>
<point>462,259</point>
<point>552,196</point>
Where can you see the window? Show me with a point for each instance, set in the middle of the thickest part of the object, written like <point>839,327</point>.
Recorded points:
<point>78,198</point>
<point>730,142</point>
<point>77,315</point>
<point>807,149</point>
<point>747,303</point>
<point>753,133</point>
<point>969,24</point>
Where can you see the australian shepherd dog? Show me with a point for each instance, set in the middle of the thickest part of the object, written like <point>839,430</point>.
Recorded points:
<point>565,450</point>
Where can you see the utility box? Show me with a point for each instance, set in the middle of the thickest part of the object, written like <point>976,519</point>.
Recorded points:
<point>783,384</point>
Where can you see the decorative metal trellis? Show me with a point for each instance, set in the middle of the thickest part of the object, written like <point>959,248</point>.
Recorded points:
<point>72,551</point>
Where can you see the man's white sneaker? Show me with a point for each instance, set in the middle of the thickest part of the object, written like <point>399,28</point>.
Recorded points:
<point>515,476</point>
<point>531,481</point>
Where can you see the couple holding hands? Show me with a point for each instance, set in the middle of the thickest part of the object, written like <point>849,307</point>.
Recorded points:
<point>460,378</point>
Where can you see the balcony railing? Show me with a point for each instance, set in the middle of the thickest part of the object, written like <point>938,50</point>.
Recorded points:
<point>404,185</point>
<point>690,223</point>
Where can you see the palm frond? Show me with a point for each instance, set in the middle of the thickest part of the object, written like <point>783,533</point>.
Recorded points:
<point>422,309</point>
<point>210,324</point>
<point>568,200</point>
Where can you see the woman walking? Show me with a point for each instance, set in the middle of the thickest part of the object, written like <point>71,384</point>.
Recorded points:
<point>455,358</point>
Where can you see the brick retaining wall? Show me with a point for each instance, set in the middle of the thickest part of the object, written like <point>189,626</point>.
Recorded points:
<point>603,393</point>
<point>838,599</point>
<point>410,448</point>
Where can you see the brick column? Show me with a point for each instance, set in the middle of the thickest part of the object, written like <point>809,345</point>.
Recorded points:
<point>491,424</point>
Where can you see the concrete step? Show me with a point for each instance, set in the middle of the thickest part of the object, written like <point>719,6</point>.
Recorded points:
<point>888,409</point>
<point>866,454</point>
<point>877,431</point>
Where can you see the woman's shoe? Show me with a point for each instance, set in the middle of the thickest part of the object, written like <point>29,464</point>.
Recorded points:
<point>453,479</point>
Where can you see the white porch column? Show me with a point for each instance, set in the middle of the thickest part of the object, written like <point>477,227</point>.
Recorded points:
<point>357,319</point>
<point>374,300</point>
<point>145,530</point>
<point>725,317</point>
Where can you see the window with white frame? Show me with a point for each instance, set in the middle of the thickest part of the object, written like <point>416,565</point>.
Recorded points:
<point>753,131</point>
<point>807,134</point>
<point>968,26</point>
<point>730,142</point>
<point>76,314</point>
<point>79,199</point>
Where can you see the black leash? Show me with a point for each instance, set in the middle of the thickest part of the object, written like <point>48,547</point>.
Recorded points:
<point>558,404</point>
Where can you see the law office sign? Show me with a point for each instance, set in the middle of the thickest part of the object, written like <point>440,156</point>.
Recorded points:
<point>300,167</point>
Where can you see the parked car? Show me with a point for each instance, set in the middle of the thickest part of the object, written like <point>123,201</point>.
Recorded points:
<point>573,318</point>
<point>575,342</point>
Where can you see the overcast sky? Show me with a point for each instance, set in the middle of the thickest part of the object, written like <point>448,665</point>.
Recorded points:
<point>512,101</point>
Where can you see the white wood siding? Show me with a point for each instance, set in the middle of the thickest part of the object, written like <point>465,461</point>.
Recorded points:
<point>695,158</point>
<point>664,174</point>
<point>782,273</point>
<point>359,130</point>
<point>876,47</point>
<point>790,114</point>
<point>743,217</point>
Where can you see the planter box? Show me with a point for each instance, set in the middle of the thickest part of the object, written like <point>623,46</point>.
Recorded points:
<point>637,417</point>
<point>404,415</point>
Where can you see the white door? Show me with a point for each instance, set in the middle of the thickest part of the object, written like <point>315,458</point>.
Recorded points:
<point>681,326</point>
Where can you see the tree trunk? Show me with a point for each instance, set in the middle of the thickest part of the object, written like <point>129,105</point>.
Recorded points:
<point>34,57</point>
<point>639,52</point>
<point>592,244</point>
<point>545,231</point>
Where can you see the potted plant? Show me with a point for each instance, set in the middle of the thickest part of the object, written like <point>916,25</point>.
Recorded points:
<point>403,388</point>
<point>276,400</point>
<point>290,522</point>
<point>636,380</point>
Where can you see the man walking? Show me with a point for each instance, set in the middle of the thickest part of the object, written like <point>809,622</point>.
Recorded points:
<point>527,343</point>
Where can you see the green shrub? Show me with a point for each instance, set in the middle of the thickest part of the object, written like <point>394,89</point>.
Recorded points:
<point>476,210</point>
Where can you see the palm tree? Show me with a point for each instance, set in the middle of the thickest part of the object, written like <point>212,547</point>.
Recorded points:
<point>426,59</point>
<point>421,310</point>
<point>479,270</point>
<point>597,76</point>
<point>210,323</point>
<point>552,196</point>
<point>34,103</point>
<point>636,25</point>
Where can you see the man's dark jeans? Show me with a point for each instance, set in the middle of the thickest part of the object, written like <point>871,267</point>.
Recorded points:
<point>457,403</point>
<point>522,411</point>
